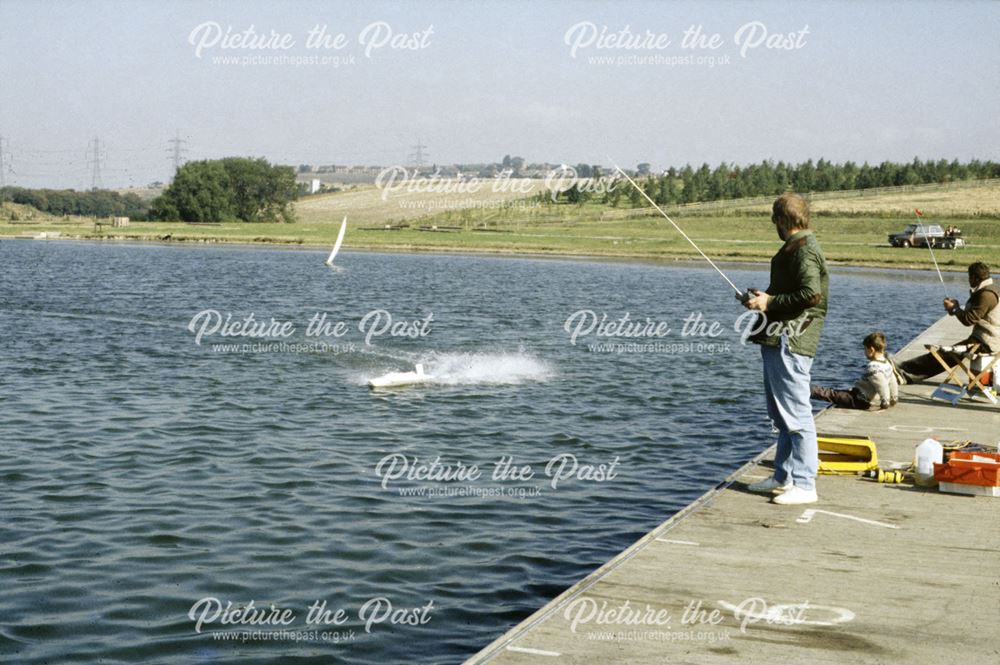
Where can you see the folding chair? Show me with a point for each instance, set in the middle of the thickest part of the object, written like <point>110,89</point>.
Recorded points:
<point>987,366</point>
<point>954,388</point>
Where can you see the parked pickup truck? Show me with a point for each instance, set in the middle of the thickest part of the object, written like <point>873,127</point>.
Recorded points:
<point>920,235</point>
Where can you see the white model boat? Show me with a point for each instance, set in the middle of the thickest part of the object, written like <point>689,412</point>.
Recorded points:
<point>400,379</point>
<point>336,245</point>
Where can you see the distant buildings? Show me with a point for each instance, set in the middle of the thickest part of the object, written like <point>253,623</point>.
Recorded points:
<point>326,174</point>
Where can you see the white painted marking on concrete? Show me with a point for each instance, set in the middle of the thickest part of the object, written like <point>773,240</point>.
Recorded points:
<point>923,429</point>
<point>533,652</point>
<point>747,475</point>
<point>677,542</point>
<point>809,513</point>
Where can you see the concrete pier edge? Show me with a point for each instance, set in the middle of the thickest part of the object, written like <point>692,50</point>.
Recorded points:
<point>593,578</point>
<point>917,397</point>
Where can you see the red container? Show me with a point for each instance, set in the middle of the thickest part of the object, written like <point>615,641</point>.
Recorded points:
<point>960,468</point>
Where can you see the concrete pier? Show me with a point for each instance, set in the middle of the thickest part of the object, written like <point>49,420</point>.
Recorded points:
<point>872,573</point>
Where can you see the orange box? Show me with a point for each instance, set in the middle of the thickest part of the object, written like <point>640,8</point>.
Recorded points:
<point>961,469</point>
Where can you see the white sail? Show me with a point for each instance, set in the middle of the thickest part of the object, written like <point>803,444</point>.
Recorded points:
<point>336,245</point>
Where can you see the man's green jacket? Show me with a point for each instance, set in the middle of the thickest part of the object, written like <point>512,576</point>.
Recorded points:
<point>799,290</point>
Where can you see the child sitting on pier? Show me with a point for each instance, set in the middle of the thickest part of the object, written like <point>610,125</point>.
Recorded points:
<point>877,387</point>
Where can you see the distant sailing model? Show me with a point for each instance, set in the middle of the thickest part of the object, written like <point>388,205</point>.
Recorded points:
<point>336,245</point>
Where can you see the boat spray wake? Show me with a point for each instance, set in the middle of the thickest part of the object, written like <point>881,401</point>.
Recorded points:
<point>463,369</point>
<point>487,368</point>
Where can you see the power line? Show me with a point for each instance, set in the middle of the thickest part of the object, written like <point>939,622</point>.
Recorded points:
<point>177,150</point>
<point>94,160</point>
<point>417,156</point>
<point>3,164</point>
<point>3,171</point>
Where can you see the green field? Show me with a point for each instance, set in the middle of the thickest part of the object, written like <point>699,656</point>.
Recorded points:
<point>852,228</point>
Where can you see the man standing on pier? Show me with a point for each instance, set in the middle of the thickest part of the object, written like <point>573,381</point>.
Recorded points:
<point>793,309</point>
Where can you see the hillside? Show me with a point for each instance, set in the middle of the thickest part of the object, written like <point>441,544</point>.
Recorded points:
<point>851,226</point>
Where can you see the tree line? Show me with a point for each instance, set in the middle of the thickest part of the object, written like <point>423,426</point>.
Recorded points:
<point>217,190</point>
<point>94,203</point>
<point>768,178</point>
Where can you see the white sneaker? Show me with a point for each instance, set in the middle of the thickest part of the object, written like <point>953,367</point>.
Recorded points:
<point>794,496</point>
<point>769,485</point>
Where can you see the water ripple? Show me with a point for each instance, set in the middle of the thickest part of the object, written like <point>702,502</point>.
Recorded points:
<point>141,472</point>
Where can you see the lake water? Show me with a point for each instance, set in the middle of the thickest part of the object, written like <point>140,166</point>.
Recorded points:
<point>143,474</point>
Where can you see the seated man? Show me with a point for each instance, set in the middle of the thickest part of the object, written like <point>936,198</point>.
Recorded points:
<point>877,387</point>
<point>982,312</point>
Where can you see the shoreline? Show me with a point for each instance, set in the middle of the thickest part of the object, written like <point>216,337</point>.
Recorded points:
<point>659,259</point>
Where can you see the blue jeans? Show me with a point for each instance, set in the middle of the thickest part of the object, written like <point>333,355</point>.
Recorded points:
<point>786,385</point>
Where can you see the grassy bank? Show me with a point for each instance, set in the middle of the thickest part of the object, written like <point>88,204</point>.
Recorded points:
<point>852,230</point>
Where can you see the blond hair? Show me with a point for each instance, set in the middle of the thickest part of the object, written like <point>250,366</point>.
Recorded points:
<point>790,211</point>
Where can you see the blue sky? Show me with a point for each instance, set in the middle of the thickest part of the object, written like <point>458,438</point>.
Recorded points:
<point>870,81</point>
